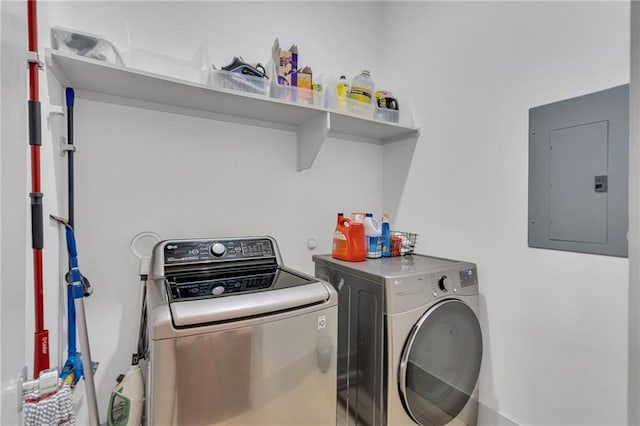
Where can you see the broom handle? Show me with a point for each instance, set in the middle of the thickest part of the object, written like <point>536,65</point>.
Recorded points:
<point>41,335</point>
<point>85,356</point>
<point>81,320</point>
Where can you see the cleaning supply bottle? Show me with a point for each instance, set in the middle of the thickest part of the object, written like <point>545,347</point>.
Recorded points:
<point>342,88</point>
<point>362,87</point>
<point>374,237</point>
<point>348,241</point>
<point>357,243</point>
<point>385,230</point>
<point>340,248</point>
<point>342,91</point>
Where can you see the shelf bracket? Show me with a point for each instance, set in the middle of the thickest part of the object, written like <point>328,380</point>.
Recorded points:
<point>310,136</point>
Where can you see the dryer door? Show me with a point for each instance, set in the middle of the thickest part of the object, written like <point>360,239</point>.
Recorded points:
<point>440,363</point>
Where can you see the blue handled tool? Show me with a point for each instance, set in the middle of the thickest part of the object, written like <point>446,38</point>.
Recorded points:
<point>72,369</point>
<point>75,368</point>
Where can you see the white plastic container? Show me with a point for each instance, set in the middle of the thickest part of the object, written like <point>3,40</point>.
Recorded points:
<point>373,235</point>
<point>221,79</point>
<point>386,114</point>
<point>300,95</point>
<point>85,44</point>
<point>362,88</point>
<point>195,70</point>
<point>344,104</point>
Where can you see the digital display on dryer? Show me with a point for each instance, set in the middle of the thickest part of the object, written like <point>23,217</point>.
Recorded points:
<point>468,277</point>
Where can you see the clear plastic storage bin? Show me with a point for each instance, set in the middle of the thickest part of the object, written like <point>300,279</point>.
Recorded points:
<point>221,79</point>
<point>300,95</point>
<point>85,44</point>
<point>369,110</point>
<point>385,114</point>
<point>195,70</point>
<point>346,104</point>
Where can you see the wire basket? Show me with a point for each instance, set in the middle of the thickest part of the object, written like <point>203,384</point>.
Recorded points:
<point>402,243</point>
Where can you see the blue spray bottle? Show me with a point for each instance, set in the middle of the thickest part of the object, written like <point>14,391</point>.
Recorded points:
<point>386,236</point>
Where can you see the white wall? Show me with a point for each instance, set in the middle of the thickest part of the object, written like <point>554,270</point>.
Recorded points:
<point>139,170</point>
<point>13,199</point>
<point>555,323</point>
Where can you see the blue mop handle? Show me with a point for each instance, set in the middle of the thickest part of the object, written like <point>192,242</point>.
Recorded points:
<point>73,289</point>
<point>71,322</point>
<point>85,356</point>
<point>76,278</point>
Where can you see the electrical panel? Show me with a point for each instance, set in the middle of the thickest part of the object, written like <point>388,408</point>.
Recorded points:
<point>578,172</point>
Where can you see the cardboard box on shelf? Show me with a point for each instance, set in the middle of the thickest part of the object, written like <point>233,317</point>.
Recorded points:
<point>304,78</point>
<point>286,64</point>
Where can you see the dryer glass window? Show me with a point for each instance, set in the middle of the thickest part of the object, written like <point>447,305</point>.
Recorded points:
<point>440,363</point>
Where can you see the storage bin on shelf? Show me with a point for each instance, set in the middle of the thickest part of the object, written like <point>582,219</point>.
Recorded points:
<point>346,104</point>
<point>221,79</point>
<point>402,243</point>
<point>386,114</point>
<point>195,70</point>
<point>85,44</point>
<point>368,110</point>
<point>300,95</point>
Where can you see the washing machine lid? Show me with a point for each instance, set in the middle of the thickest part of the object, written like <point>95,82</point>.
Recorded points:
<point>440,363</point>
<point>244,306</point>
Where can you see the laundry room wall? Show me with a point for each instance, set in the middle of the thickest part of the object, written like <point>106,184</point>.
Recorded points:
<point>554,323</point>
<point>13,203</point>
<point>184,177</point>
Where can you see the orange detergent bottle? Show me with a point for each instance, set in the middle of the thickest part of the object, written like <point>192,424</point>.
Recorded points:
<point>348,241</point>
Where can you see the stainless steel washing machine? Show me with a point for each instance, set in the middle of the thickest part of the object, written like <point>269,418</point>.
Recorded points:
<point>409,340</point>
<point>236,338</point>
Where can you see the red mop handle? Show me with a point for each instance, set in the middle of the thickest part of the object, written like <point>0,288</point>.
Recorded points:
<point>41,336</point>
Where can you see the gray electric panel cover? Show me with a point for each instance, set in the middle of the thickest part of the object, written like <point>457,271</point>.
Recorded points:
<point>578,171</point>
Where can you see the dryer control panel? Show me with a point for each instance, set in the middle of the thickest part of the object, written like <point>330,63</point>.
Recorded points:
<point>454,282</point>
<point>409,292</point>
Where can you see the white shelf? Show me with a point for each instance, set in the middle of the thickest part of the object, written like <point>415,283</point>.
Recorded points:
<point>99,80</point>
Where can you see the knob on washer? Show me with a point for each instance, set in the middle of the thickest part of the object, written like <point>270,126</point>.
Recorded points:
<point>218,249</point>
<point>442,283</point>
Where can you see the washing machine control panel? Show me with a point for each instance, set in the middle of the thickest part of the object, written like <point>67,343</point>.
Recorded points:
<point>187,252</point>
<point>209,287</point>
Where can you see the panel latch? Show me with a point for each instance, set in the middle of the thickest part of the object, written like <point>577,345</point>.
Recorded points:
<point>600,183</point>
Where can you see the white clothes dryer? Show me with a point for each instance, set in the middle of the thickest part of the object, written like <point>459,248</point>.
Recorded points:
<point>422,366</point>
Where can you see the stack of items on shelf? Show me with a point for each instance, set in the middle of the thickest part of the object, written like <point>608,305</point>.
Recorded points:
<point>240,75</point>
<point>360,237</point>
<point>361,98</point>
<point>292,83</point>
<point>283,77</point>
